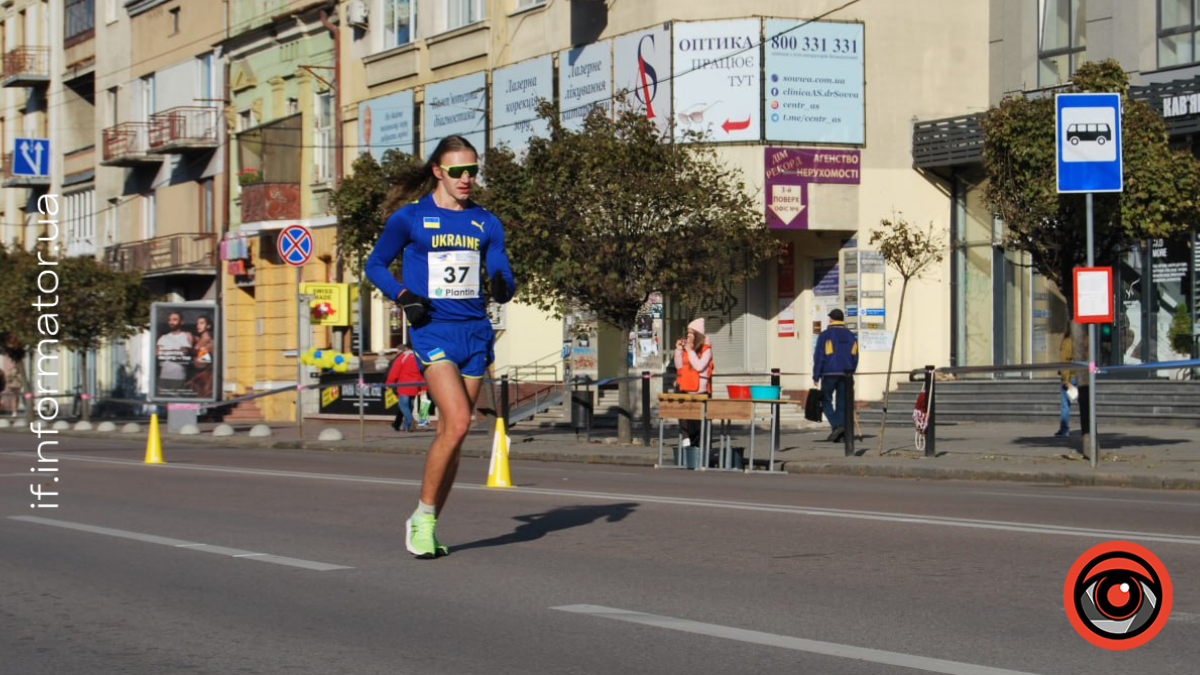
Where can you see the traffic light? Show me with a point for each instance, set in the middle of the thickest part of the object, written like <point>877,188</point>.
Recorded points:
<point>1105,331</point>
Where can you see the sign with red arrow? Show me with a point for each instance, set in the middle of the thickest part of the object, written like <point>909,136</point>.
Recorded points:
<point>716,79</point>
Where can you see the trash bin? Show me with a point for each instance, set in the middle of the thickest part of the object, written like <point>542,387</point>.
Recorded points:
<point>582,407</point>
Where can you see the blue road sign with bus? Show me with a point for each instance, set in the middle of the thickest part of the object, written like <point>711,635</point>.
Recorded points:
<point>31,157</point>
<point>1087,129</point>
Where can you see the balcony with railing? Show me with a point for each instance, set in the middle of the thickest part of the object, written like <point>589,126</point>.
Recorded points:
<point>947,142</point>
<point>270,201</point>
<point>10,179</point>
<point>184,129</point>
<point>26,67</point>
<point>128,144</point>
<point>172,254</point>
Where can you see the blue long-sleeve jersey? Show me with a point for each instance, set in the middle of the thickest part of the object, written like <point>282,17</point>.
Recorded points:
<point>443,251</point>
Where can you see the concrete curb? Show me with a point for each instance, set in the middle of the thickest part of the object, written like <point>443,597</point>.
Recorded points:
<point>479,446</point>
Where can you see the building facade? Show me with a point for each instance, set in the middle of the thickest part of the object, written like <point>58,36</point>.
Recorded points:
<point>1003,311</point>
<point>817,116</point>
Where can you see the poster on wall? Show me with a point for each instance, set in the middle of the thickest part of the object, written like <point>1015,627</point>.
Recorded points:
<point>584,82</point>
<point>516,90</point>
<point>789,172</point>
<point>815,81</point>
<point>386,123</point>
<point>642,73</point>
<point>717,79</point>
<point>786,292</point>
<point>457,106</point>
<point>187,351</point>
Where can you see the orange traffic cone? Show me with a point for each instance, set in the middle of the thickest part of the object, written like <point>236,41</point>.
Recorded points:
<point>154,443</point>
<point>498,469</point>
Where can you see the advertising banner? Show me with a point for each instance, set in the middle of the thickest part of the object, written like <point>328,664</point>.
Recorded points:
<point>584,82</point>
<point>187,351</point>
<point>642,73</point>
<point>386,123</point>
<point>789,171</point>
<point>330,305</point>
<point>815,81</point>
<point>717,79</point>
<point>515,93</point>
<point>457,106</point>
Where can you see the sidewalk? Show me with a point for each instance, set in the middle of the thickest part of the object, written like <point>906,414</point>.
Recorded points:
<point>1130,456</point>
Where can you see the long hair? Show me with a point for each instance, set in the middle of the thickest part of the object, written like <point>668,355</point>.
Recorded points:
<point>417,180</point>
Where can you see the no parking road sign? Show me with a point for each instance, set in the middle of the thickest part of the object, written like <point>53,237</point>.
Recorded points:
<point>1087,128</point>
<point>295,245</point>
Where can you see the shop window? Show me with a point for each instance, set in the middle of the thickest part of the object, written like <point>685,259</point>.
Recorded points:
<point>1177,29</point>
<point>1062,44</point>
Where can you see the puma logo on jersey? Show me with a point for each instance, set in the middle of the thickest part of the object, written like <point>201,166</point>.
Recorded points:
<point>479,225</point>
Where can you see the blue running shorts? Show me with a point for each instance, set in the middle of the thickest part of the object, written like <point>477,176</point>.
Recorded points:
<point>467,344</point>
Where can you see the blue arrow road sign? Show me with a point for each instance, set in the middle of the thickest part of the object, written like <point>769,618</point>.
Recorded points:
<point>1087,131</point>
<point>31,157</point>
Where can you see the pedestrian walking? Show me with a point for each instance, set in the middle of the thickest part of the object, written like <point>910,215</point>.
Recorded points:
<point>446,241</point>
<point>1069,392</point>
<point>835,354</point>
<point>404,370</point>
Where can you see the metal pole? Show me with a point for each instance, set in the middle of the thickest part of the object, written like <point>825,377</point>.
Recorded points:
<point>362,423</point>
<point>504,399</point>
<point>847,405</point>
<point>1091,404</point>
<point>299,366</point>
<point>646,408</point>
<point>931,419</point>
<point>775,426</point>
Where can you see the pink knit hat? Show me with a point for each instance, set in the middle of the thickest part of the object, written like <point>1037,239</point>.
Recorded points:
<point>697,325</point>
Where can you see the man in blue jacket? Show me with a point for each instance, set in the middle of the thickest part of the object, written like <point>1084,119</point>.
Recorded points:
<point>835,354</point>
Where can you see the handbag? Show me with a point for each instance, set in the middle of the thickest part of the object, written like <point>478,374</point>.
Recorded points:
<point>423,409</point>
<point>813,405</point>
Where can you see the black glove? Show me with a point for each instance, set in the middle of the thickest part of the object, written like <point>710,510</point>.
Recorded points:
<point>500,291</point>
<point>416,308</point>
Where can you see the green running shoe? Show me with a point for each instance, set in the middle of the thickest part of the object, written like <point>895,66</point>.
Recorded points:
<point>419,538</point>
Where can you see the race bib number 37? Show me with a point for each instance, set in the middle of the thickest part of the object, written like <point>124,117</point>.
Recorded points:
<point>454,275</point>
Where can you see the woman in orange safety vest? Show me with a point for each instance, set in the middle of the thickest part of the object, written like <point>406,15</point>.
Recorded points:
<point>694,366</point>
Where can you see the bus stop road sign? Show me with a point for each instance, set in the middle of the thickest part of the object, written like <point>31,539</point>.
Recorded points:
<point>1087,131</point>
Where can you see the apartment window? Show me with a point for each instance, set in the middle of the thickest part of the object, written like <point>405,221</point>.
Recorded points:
<point>399,22</point>
<point>112,109</point>
<point>149,215</point>
<point>79,19</point>
<point>461,13</point>
<point>1177,30</point>
<point>79,217</point>
<point>323,142</point>
<point>1062,46</point>
<point>207,206</point>
<point>174,21</point>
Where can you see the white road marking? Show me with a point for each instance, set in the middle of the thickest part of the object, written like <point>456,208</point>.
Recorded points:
<point>880,516</point>
<point>179,543</point>
<point>787,642</point>
<point>1023,495</point>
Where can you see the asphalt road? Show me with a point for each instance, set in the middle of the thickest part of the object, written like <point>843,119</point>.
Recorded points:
<point>271,561</point>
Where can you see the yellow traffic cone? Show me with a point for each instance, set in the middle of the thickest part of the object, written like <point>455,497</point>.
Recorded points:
<point>154,443</point>
<point>498,469</point>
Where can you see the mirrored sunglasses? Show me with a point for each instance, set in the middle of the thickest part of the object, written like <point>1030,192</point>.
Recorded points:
<point>457,170</point>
